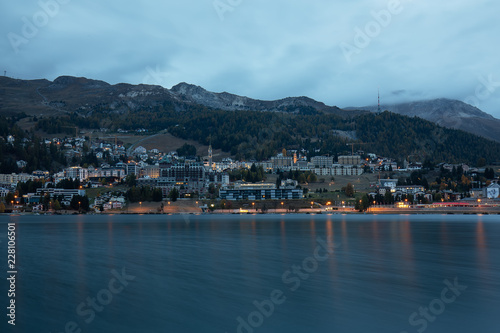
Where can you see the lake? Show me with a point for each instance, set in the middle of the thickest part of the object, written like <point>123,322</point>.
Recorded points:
<point>253,273</point>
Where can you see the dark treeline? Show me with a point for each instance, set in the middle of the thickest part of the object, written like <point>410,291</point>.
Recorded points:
<point>260,135</point>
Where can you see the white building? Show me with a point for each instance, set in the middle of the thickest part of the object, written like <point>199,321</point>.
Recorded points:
<point>79,173</point>
<point>322,161</point>
<point>388,183</point>
<point>493,191</point>
<point>14,178</point>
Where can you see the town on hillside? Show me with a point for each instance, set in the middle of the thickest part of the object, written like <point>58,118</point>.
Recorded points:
<point>108,177</point>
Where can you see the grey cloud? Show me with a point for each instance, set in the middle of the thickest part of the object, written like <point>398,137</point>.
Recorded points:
<point>267,50</point>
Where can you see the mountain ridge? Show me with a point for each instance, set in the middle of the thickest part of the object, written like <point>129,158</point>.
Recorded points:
<point>448,113</point>
<point>69,94</point>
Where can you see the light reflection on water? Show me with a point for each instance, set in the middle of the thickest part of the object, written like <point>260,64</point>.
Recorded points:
<point>199,273</point>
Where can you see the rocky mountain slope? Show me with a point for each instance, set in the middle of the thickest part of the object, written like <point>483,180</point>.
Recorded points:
<point>449,113</point>
<point>229,102</point>
<point>69,94</point>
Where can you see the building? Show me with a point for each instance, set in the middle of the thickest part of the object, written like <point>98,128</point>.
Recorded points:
<point>282,162</point>
<point>259,192</point>
<point>218,178</point>
<point>132,168</point>
<point>151,171</point>
<point>350,160</point>
<point>388,183</point>
<point>67,194</point>
<point>76,173</point>
<point>493,191</point>
<point>3,192</point>
<point>14,178</point>
<point>346,170</point>
<point>490,192</point>
<point>184,172</point>
<point>322,161</point>
<point>411,189</point>
<point>339,170</point>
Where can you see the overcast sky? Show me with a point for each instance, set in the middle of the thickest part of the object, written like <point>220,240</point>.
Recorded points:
<point>337,51</point>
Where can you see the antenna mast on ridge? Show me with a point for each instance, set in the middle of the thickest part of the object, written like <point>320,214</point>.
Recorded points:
<point>378,109</point>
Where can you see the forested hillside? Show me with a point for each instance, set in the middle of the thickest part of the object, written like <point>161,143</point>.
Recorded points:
<point>26,147</point>
<point>259,135</point>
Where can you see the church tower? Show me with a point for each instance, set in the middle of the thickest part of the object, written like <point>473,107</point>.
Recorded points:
<point>210,163</point>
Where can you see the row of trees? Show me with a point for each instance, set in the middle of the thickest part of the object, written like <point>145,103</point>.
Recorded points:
<point>144,193</point>
<point>254,175</point>
<point>302,177</point>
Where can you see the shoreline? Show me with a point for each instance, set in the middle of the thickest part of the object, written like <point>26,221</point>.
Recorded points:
<point>370,211</point>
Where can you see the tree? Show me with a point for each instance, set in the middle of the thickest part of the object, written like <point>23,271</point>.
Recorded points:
<point>489,173</point>
<point>130,180</point>
<point>349,190</point>
<point>157,194</point>
<point>174,194</point>
<point>79,202</point>
<point>9,198</point>
<point>56,205</point>
<point>2,207</point>
<point>311,178</point>
<point>211,188</point>
<point>186,150</point>
<point>46,201</point>
<point>388,199</point>
<point>134,194</point>
<point>481,162</point>
<point>68,183</point>
<point>362,204</point>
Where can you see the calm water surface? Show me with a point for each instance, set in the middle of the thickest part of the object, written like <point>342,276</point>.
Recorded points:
<point>275,273</point>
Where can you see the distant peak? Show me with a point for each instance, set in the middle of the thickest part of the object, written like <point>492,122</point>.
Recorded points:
<point>82,81</point>
<point>184,87</point>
